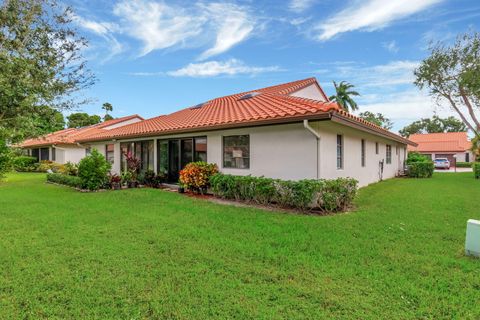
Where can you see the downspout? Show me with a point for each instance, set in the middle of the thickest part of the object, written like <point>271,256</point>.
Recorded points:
<point>307,126</point>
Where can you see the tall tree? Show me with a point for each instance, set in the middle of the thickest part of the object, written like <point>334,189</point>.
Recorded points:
<point>452,74</point>
<point>108,108</point>
<point>377,118</point>
<point>40,62</point>
<point>343,96</point>
<point>434,125</point>
<point>81,119</point>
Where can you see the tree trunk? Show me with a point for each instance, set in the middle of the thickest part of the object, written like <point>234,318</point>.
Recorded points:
<point>454,106</point>
<point>469,107</point>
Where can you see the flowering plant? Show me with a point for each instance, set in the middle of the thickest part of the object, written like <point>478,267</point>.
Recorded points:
<point>196,175</point>
<point>133,165</point>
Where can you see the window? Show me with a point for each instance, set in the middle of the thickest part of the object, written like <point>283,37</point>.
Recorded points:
<point>54,154</point>
<point>389,154</point>
<point>142,150</point>
<point>36,154</point>
<point>109,154</point>
<point>467,157</point>
<point>236,152</point>
<point>339,151</point>
<point>396,150</point>
<point>187,152</point>
<point>363,153</point>
<point>88,150</point>
<point>162,149</point>
<point>200,149</point>
<point>376,148</point>
<point>44,154</point>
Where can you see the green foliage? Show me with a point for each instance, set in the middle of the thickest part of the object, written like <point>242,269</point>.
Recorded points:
<point>81,119</point>
<point>377,118</point>
<point>93,170</point>
<point>70,169</point>
<point>24,164</point>
<point>416,157</point>
<point>433,125</point>
<point>59,178</point>
<point>421,169</point>
<point>463,164</point>
<point>450,74</point>
<point>419,166</point>
<point>324,195</point>
<point>41,65</point>
<point>476,170</point>
<point>46,165</point>
<point>343,96</point>
<point>150,179</point>
<point>5,158</point>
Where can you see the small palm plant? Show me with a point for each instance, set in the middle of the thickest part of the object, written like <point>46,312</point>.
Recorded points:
<point>344,96</point>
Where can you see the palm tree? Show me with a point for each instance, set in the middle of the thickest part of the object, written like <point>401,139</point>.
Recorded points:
<point>344,95</point>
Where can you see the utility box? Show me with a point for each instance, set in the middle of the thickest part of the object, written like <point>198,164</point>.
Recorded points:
<point>472,242</point>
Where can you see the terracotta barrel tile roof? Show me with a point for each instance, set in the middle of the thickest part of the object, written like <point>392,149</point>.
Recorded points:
<point>73,135</point>
<point>441,142</point>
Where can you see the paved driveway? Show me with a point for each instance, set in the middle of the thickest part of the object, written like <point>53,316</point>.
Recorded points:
<point>453,170</point>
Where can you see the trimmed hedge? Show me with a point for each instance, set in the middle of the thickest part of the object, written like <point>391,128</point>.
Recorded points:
<point>476,170</point>
<point>464,164</point>
<point>324,195</point>
<point>24,164</point>
<point>93,171</point>
<point>421,169</point>
<point>59,178</point>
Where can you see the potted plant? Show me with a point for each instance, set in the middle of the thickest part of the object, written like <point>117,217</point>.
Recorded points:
<point>116,182</point>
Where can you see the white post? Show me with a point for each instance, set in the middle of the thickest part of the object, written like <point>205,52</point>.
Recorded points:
<point>472,241</point>
<point>155,156</point>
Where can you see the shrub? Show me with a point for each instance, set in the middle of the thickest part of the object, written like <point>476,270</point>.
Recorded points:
<point>324,195</point>
<point>464,164</point>
<point>24,164</point>
<point>476,170</point>
<point>46,165</point>
<point>70,169</point>
<point>416,157</point>
<point>133,165</point>
<point>59,178</point>
<point>196,175</point>
<point>421,169</point>
<point>93,170</point>
<point>149,178</point>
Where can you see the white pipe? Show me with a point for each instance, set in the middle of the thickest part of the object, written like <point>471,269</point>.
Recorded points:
<point>307,126</point>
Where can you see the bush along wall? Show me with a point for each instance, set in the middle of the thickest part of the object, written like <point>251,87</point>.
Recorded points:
<point>323,195</point>
<point>463,164</point>
<point>476,170</point>
<point>67,180</point>
<point>421,169</point>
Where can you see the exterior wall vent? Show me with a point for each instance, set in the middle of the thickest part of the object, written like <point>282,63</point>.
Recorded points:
<point>249,95</point>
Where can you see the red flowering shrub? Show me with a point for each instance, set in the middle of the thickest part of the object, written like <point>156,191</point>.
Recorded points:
<point>196,175</point>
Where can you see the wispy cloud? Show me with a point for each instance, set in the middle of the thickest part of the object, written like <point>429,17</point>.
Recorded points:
<point>300,5</point>
<point>216,68</point>
<point>232,24</point>
<point>105,30</point>
<point>391,46</point>
<point>157,25</point>
<point>369,15</point>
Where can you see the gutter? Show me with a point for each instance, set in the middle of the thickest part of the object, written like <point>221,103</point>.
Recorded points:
<point>307,126</point>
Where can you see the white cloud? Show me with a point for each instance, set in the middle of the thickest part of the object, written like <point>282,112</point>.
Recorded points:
<point>216,68</point>
<point>157,25</point>
<point>391,46</point>
<point>300,5</point>
<point>369,15</point>
<point>232,23</point>
<point>104,30</point>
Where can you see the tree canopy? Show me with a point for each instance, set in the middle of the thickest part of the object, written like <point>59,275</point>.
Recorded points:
<point>433,125</point>
<point>377,118</point>
<point>452,74</point>
<point>41,65</point>
<point>343,96</point>
<point>82,119</point>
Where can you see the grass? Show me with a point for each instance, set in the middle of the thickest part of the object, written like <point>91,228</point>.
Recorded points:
<point>147,254</point>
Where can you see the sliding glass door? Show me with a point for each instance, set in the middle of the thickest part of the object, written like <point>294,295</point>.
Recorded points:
<point>175,154</point>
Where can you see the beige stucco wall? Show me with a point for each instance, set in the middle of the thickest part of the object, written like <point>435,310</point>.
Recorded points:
<point>123,123</point>
<point>310,92</point>
<point>290,152</point>
<point>461,156</point>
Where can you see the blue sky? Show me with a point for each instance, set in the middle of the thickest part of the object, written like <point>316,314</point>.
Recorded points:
<point>154,57</point>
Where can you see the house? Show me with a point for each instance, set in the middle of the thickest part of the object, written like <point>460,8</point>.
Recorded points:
<point>288,131</point>
<point>448,145</point>
<point>62,146</point>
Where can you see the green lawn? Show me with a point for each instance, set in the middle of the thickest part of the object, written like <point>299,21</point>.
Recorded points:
<point>146,254</point>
